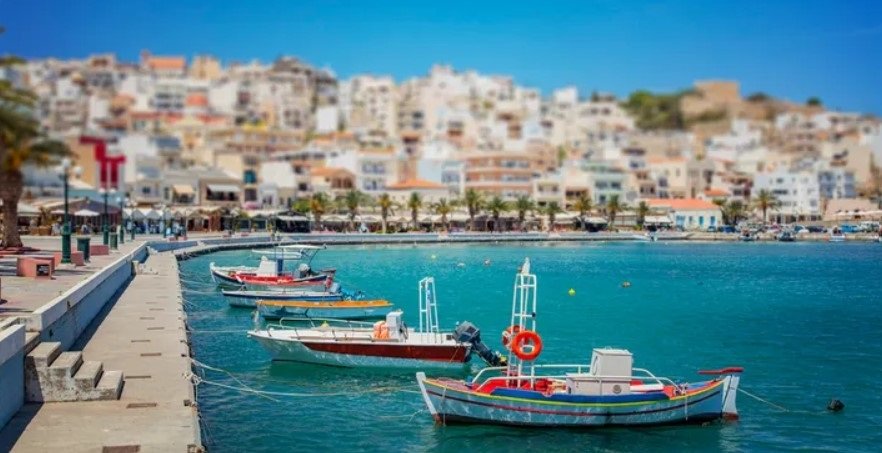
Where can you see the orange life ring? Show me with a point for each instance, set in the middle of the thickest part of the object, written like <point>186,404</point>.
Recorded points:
<point>508,333</point>
<point>524,338</point>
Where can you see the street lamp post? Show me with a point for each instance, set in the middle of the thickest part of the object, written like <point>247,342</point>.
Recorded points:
<point>122,223</point>
<point>105,229</point>
<point>65,227</point>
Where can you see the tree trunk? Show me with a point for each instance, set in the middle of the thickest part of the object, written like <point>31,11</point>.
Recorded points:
<point>10,193</point>
<point>384,225</point>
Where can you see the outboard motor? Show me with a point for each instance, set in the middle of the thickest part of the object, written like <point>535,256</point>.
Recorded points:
<point>466,332</point>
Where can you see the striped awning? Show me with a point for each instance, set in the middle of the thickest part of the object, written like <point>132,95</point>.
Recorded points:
<point>224,188</point>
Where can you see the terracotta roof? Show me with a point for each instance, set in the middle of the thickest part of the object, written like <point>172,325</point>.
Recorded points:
<point>167,63</point>
<point>682,204</point>
<point>715,192</point>
<point>416,184</point>
<point>329,171</point>
<point>665,160</point>
<point>196,100</point>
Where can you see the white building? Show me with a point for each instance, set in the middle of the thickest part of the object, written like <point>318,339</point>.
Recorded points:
<point>798,193</point>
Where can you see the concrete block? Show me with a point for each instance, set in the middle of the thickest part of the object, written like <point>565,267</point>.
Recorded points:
<point>87,377</point>
<point>43,354</point>
<point>28,266</point>
<point>78,258</point>
<point>100,249</point>
<point>110,386</point>
<point>66,365</point>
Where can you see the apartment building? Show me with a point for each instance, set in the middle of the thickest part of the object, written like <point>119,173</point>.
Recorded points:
<point>798,193</point>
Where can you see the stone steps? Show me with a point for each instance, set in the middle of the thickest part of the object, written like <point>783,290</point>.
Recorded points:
<point>52,375</point>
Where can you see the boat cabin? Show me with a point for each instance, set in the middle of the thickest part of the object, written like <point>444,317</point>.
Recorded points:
<point>610,374</point>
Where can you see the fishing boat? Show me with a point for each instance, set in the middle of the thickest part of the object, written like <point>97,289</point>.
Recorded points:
<point>287,252</point>
<point>786,236</point>
<point>271,273</point>
<point>342,309</point>
<point>387,343</point>
<point>646,237</point>
<point>836,235</point>
<point>606,391</point>
<point>248,298</point>
<point>747,236</point>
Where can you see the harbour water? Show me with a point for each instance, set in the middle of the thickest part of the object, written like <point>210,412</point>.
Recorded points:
<point>804,319</point>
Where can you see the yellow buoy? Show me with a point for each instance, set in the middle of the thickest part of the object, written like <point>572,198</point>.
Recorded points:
<point>571,292</point>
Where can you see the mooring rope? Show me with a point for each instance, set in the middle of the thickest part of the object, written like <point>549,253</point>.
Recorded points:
<point>243,387</point>
<point>777,406</point>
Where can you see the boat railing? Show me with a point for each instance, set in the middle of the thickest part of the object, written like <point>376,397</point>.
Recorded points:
<point>583,369</point>
<point>330,321</point>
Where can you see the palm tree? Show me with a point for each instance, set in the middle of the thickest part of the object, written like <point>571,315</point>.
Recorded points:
<point>613,207</point>
<point>734,211</point>
<point>523,204</point>
<point>552,209</point>
<point>443,208</point>
<point>721,203</point>
<point>473,201</point>
<point>583,205</point>
<point>386,205</point>
<point>21,144</point>
<point>765,200</point>
<point>415,203</point>
<point>496,206</point>
<point>318,206</point>
<point>353,199</point>
<point>642,212</point>
<point>300,205</point>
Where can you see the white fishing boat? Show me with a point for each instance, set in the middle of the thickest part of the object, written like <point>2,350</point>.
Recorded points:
<point>606,391</point>
<point>248,298</point>
<point>272,273</point>
<point>387,343</point>
<point>645,237</point>
<point>342,309</point>
<point>836,235</point>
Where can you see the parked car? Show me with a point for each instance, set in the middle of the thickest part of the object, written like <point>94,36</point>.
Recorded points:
<point>728,229</point>
<point>851,229</point>
<point>816,229</point>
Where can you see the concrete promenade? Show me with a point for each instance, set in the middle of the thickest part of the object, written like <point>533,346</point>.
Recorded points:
<point>142,334</point>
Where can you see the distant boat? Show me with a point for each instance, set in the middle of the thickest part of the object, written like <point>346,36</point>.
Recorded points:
<point>343,309</point>
<point>249,298</point>
<point>271,273</point>
<point>837,235</point>
<point>646,237</point>
<point>786,236</point>
<point>746,236</point>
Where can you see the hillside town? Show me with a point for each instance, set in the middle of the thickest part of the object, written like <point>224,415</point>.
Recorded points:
<point>209,146</point>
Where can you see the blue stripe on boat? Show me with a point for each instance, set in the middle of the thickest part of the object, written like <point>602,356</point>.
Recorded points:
<point>533,395</point>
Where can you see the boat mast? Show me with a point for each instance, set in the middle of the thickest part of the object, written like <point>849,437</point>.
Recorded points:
<point>428,307</point>
<point>523,310</point>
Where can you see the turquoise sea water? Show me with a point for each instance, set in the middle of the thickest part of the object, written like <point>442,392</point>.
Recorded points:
<point>804,319</point>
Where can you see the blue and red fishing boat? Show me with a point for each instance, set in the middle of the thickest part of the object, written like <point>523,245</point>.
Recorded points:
<point>608,391</point>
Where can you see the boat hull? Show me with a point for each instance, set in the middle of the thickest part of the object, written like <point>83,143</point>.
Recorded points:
<point>449,404</point>
<point>248,299</point>
<point>239,277</point>
<point>369,355</point>
<point>342,310</point>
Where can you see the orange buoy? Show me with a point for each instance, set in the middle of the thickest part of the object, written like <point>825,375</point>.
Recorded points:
<point>508,333</point>
<point>527,338</point>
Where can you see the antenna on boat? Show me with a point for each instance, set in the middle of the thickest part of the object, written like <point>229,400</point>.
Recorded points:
<point>428,306</point>
<point>523,314</point>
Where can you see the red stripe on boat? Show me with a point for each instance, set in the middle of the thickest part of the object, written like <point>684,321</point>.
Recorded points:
<point>729,370</point>
<point>454,353</point>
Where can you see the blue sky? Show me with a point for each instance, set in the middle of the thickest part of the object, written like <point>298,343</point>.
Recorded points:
<point>790,49</point>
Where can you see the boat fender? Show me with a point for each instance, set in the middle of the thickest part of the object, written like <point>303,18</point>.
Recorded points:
<point>524,338</point>
<point>835,405</point>
<point>508,333</point>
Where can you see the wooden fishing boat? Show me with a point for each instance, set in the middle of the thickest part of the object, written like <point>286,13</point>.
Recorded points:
<point>387,343</point>
<point>343,309</point>
<point>608,391</point>
<point>249,298</point>
<point>271,272</point>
